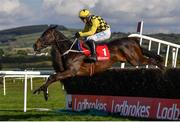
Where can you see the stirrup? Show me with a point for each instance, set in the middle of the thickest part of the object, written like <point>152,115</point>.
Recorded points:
<point>93,58</point>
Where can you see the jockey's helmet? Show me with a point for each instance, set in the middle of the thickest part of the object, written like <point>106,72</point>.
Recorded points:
<point>84,13</point>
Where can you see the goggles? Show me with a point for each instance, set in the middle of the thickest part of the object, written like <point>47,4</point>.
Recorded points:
<point>82,18</point>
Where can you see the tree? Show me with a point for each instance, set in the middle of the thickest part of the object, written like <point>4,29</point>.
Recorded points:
<point>21,52</point>
<point>1,52</point>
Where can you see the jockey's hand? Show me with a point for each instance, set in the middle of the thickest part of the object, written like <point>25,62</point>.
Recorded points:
<point>77,35</point>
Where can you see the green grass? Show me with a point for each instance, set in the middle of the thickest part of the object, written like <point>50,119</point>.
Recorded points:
<point>11,105</point>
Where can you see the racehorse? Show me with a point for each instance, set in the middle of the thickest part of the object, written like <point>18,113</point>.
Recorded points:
<point>69,64</point>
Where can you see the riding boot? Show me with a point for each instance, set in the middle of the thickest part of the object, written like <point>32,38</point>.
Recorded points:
<point>92,46</point>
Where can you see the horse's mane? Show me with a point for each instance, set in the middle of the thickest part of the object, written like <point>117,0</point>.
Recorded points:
<point>63,41</point>
<point>64,44</point>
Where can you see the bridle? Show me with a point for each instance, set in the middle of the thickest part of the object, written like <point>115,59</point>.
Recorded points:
<point>45,44</point>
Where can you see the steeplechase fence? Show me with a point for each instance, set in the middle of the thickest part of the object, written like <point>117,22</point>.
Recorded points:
<point>143,93</point>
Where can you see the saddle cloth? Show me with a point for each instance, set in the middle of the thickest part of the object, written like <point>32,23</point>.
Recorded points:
<point>102,51</point>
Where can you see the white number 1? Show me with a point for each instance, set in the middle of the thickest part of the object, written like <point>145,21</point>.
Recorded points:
<point>104,50</point>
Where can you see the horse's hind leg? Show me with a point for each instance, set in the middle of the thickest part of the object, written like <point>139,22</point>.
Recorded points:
<point>152,61</point>
<point>136,58</point>
<point>131,56</point>
<point>149,61</point>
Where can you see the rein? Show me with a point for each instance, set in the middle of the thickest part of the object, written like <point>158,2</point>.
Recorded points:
<point>57,41</point>
<point>70,49</point>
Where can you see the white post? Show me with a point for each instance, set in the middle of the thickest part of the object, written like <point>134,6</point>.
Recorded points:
<point>149,48</point>
<point>173,57</point>
<point>4,85</point>
<point>176,56</point>
<point>167,54</point>
<point>122,65</point>
<point>62,87</point>
<point>31,83</point>
<point>14,80</point>
<point>25,92</point>
<point>159,48</point>
<point>45,81</point>
<point>150,42</point>
<point>140,32</point>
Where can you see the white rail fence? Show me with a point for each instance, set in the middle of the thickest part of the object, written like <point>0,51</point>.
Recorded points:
<point>175,48</point>
<point>26,75</point>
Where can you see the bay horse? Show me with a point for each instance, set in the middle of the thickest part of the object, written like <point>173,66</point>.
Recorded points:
<point>73,63</point>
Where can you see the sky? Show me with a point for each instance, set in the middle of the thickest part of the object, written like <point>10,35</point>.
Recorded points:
<point>159,16</point>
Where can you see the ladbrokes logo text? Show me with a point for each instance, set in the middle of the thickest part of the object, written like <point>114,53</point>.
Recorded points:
<point>163,109</point>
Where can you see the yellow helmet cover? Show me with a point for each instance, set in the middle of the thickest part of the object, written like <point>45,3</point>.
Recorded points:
<point>84,13</point>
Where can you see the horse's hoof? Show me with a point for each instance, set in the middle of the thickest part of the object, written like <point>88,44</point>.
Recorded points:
<point>38,91</point>
<point>162,67</point>
<point>45,95</point>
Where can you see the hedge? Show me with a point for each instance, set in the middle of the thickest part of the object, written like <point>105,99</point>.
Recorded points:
<point>139,82</point>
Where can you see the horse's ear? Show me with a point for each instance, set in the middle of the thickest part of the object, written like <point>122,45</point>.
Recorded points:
<point>53,26</point>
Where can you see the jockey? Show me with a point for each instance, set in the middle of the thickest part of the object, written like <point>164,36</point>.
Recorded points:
<point>96,29</point>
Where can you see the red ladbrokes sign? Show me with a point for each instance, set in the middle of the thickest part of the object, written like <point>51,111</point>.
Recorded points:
<point>155,108</point>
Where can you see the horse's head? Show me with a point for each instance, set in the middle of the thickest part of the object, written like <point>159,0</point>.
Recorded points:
<point>46,39</point>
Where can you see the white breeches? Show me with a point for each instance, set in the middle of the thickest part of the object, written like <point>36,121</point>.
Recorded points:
<point>100,36</point>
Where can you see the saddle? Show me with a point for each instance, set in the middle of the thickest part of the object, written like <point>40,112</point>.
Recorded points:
<point>102,51</point>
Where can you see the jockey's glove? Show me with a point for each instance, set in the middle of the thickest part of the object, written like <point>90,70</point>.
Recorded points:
<point>77,35</point>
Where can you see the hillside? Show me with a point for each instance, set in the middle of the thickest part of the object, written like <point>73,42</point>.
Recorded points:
<point>22,38</point>
<point>28,30</point>
<point>12,35</point>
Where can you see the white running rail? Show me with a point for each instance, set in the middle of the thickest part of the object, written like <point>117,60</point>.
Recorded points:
<point>25,75</point>
<point>175,47</point>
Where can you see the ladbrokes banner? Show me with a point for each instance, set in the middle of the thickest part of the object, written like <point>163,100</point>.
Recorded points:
<point>155,108</point>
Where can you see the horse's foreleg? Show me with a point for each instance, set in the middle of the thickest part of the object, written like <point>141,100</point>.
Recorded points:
<point>45,86</point>
<point>53,78</point>
<point>58,76</point>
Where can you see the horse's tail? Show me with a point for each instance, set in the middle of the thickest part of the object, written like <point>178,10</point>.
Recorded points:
<point>150,54</point>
